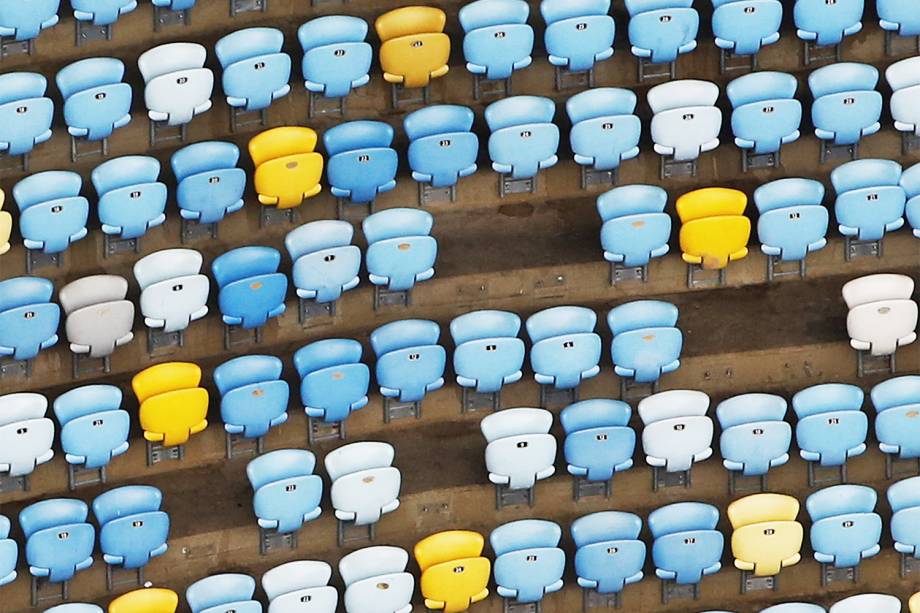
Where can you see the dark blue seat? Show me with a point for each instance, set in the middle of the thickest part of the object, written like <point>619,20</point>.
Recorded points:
<point>334,381</point>
<point>361,160</point>
<point>598,440</point>
<point>59,540</point>
<point>252,291</point>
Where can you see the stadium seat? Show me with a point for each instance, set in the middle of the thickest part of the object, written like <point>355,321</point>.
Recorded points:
<point>882,317</point>
<point>795,607</point>
<point>97,101</point>
<point>26,436</point>
<point>256,72</point>
<point>523,141</point>
<point>410,363</point>
<point>326,264</point>
<point>6,226</point>
<point>660,31</point>
<point>210,185</point>
<point>846,106</point>
<point>831,426</point>
<point>765,113</point>
<point>766,536</point>
<point>174,293</point>
<point>224,592</point>
<point>52,214</point>
<point>488,355</point>
<point>897,404</point>
<point>254,398</point>
<point>288,169</point>
<point>94,430</point>
<point>177,86</point>
<point>99,318</point>
<point>714,231</point>
<point>171,12</point>
<point>755,437</point>
<point>598,443</point>
<point>845,528</point>
<point>376,578</point>
<point>528,561</point>
<point>252,291</point>
<point>442,149</point>
<point>823,24</point>
<point>646,342</point>
<point>877,603</point>
<point>94,19</point>
<point>362,162</point>
<point>26,114</point>
<point>28,321</point>
<point>605,131</point>
<point>365,486</point>
<point>334,382</point>
<point>131,199</point>
<point>455,574</point>
<point>904,500</point>
<point>870,203</point>
<point>677,434</point>
<point>75,607</point>
<point>635,229</point>
<point>910,182</point>
<point>132,528</point>
<point>497,41</point>
<point>286,493</point>
<point>22,23</point>
<point>565,349</point>
<point>687,546</point>
<point>59,542</point>
<point>144,600</point>
<point>336,58</point>
<point>578,34</point>
<point>519,452</point>
<point>609,555</point>
<point>792,223</point>
<point>302,585</point>
<point>173,407</point>
<point>743,28</point>
<point>898,17</point>
<point>9,553</point>
<point>413,48</point>
<point>400,253</point>
<point>905,94</point>
<point>685,124</point>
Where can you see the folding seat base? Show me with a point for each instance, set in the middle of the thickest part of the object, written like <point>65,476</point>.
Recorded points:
<point>909,142</point>
<point>736,478</point>
<point>909,566</point>
<point>398,97</point>
<point>868,364</point>
<point>831,474</point>
<point>582,488</point>
<point>82,364</point>
<point>40,259</point>
<point>751,160</point>
<point>116,576</point>
<point>591,177</point>
<point>729,62</point>
<point>192,230</point>
<point>630,385</point>
<point>892,462</point>
<point>247,6</point>
<point>831,574</point>
<point>505,497</point>
<point>273,216</point>
<point>348,532</point>
<point>567,79</point>
<point>508,185</point>
<point>237,446</point>
<point>669,71</point>
<point>113,245</point>
<point>14,484</point>
<point>43,591</point>
<point>499,88</point>
<point>394,409</point>
<point>95,148</point>
<point>622,274</point>
<point>830,151</point>
<point>241,118</point>
<point>552,396</point>
<point>310,312</point>
<point>511,606</point>
<point>161,132</point>
<point>813,53</point>
<point>590,599</point>
<point>752,583</point>
<point>855,248</point>
<point>157,453</point>
<point>673,168</point>
<point>164,18</point>
<point>895,44</point>
<point>322,105</point>
<point>663,478</point>
<point>77,476</point>
<point>671,590</point>
<point>319,430</point>
<point>9,47</point>
<point>714,279</point>
<point>775,269</point>
<point>236,336</point>
<point>270,541</point>
<point>157,339</point>
<point>472,401</point>
<point>430,195</point>
<point>385,297</point>
<point>15,368</point>
<point>85,31</point>
<point>344,208</point>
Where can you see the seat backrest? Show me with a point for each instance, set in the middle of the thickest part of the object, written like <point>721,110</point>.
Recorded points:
<point>145,600</point>
<point>50,513</point>
<point>605,526</point>
<point>842,77</point>
<point>631,200</point>
<point>478,325</point>
<point>331,29</point>
<point>600,102</point>
<point>246,370</point>
<point>89,73</point>
<point>244,262</point>
<point>281,142</point>
<point>877,287</point>
<point>396,223</point>
<point>877,603</point>
<point>710,202</point>
<point>85,400</point>
<point>169,58</point>
<point>904,494</point>
<point>759,86</point>
<point>524,534</point>
<point>447,546</point>
<point>896,392</point>
<point>46,186</point>
<point>682,517</point>
<point>783,193</point>
<point>220,589</point>
<point>559,321</point>
<point>91,290</point>
<point>293,576</point>
<point>165,377</point>
<point>682,93</point>
<point>640,314</point>
<point>15,86</point>
<point>826,397</point>
<point>519,110</point>
<point>21,406</point>
<point>357,457</point>
<point>439,119</point>
<point>126,500</point>
<point>166,264</point>
<point>673,403</point>
<point>595,413</point>
<point>403,334</point>
<point>747,408</point>
<point>840,500</point>
<point>860,174</point>
<point>372,562</point>
<point>903,74</point>
<point>487,13</point>
<point>514,422</point>
<point>248,43</point>
<point>353,135</point>
<point>326,353</point>
<point>279,465</point>
<point>410,20</point>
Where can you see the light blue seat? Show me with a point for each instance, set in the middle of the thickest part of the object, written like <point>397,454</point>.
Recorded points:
<point>661,30</point>
<point>336,56</point>
<point>334,381</point>
<point>101,12</point>
<point>743,27</point>
<point>793,221</point>
<point>442,146</point>
<point>646,341</point>
<point>52,213</point>
<point>132,528</point>
<point>523,139</point>
<point>25,112</point>
<point>254,397</point>
<point>131,199</point>
<point>28,319</point>
<point>579,33</point>
<point>528,561</point>
<point>845,528</point>
<point>565,349</point>
<point>97,101</point>
<point>400,249</point>
<point>488,353</point>
<point>410,362</point>
<point>94,427</point>
<point>326,264</point>
<point>598,440</point>
<point>605,128</point>
<point>252,291</point>
<point>847,106</point>
<point>755,437</point>
<point>75,607</point>
<point>174,5</point>
<point>904,500</point>
<point>498,40</point>
<point>897,402</point>
<point>687,546</point>
<point>765,113</point>
<point>636,229</point>
<point>9,553</point>
<point>361,160</point>
<point>59,540</point>
<point>256,70</point>
<point>609,554</point>
<point>898,16</point>
<point>286,492</point>
<point>21,21</point>
<point>827,23</point>
<point>222,593</point>
<point>831,424</point>
<point>870,199</point>
<point>910,183</point>
<point>210,185</point>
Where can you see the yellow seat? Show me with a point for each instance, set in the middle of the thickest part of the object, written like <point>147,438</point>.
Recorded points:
<point>714,230</point>
<point>914,603</point>
<point>414,48</point>
<point>454,574</point>
<point>710,202</point>
<point>766,537</point>
<point>166,377</point>
<point>288,170</point>
<point>6,226</point>
<point>173,407</point>
<point>148,600</point>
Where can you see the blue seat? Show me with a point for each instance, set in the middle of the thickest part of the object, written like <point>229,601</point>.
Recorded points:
<point>174,5</point>
<point>94,427</point>
<point>636,228</point>
<point>252,291</point>
<point>598,440</point>
<point>831,425</point>
<point>28,319</point>
<point>899,16</point>
<point>845,528</point>
<point>846,105</point>
<point>523,139</point>
<point>9,553</point>
<point>21,22</point>
<point>488,353</point>
<point>565,349</point>
<point>256,70</point>
<point>361,160</point>
<point>59,540</point>
<point>579,33</point>
<point>132,528</point>
<point>223,593</point>
<point>254,397</point>
<point>334,381</point>
<point>743,27</point>
<point>286,492</point>
<point>498,40</point>
<point>210,185</point>
<point>904,500</point>
<point>336,56</point>
<point>528,561</point>
<point>442,146</point>
<point>897,402</point>
<point>646,341</point>
<point>410,362</point>
<point>97,101</point>
<point>661,30</point>
<point>910,182</point>
<point>755,437</point>
<point>687,545</point>
<point>605,128</point>
<point>870,199</point>
<point>765,113</point>
<point>52,213</point>
<point>326,264</point>
<point>25,112</point>
<point>131,199</point>
<point>827,23</point>
<point>400,249</point>
<point>101,12</point>
<point>793,221</point>
<point>609,554</point>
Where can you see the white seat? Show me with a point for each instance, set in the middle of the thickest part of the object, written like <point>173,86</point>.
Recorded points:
<point>686,132</point>
<point>520,450</point>
<point>376,581</point>
<point>308,600</point>
<point>173,292</point>
<point>357,457</point>
<point>881,327</point>
<point>364,484</point>
<point>673,403</point>
<point>26,435</point>
<point>873,288</point>
<point>866,603</point>
<point>682,93</point>
<point>99,319</point>
<point>296,575</point>
<point>903,74</point>
<point>515,421</point>
<point>676,444</point>
<point>178,86</point>
<point>22,406</point>
<point>905,109</point>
